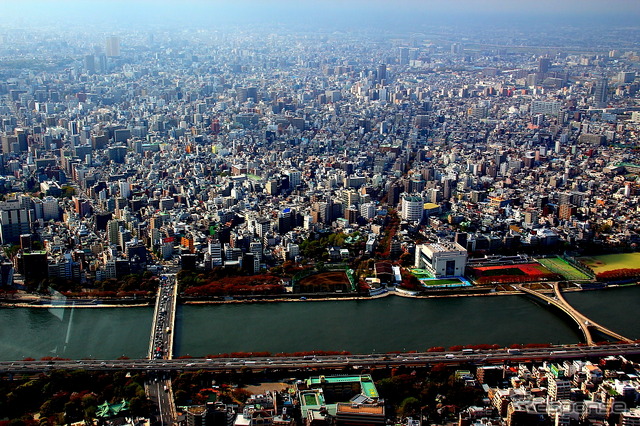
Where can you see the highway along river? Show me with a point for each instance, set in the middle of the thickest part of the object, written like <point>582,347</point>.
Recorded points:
<point>382,325</point>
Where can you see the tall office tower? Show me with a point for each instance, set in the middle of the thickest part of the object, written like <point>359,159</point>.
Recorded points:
<point>113,46</point>
<point>242,94</point>
<point>600,95</point>
<point>252,92</point>
<point>456,48</point>
<point>382,72</point>
<point>544,64</point>
<point>90,64</point>
<point>102,62</point>
<point>404,56</point>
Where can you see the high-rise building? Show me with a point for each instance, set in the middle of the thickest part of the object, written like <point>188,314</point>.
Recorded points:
<point>50,208</point>
<point>404,56</point>
<point>90,64</point>
<point>113,46</point>
<point>196,415</point>
<point>559,388</point>
<point>13,223</point>
<point>113,228</point>
<point>544,64</point>
<point>626,77</point>
<point>382,72</point>
<point>295,178</point>
<point>600,94</point>
<point>125,189</point>
<point>545,107</point>
<point>412,208</point>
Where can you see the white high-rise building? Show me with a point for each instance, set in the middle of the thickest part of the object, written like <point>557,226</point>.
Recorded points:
<point>545,107</point>
<point>368,210</point>
<point>50,208</point>
<point>255,247</point>
<point>412,208</point>
<point>295,178</point>
<point>113,46</point>
<point>125,189</point>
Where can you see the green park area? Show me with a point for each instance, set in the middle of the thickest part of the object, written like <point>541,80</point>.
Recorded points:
<point>564,268</point>
<point>421,274</point>
<point>441,282</point>
<point>611,262</point>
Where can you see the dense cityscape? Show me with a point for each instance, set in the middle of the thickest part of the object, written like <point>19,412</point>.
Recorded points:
<point>237,163</point>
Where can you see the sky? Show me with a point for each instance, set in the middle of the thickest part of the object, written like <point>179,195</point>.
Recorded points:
<point>386,13</point>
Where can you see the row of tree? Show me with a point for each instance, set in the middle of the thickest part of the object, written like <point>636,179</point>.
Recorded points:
<point>619,274</point>
<point>392,223</point>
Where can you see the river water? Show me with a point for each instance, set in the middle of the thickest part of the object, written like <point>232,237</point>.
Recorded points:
<point>387,324</point>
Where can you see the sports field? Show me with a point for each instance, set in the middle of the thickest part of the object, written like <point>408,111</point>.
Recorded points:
<point>564,268</point>
<point>611,262</point>
<point>444,282</point>
<point>421,273</point>
<point>518,273</point>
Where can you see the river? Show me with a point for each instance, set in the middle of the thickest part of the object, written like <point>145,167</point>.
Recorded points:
<point>381,325</point>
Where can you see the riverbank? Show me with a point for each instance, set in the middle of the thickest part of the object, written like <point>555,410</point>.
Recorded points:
<point>71,305</point>
<point>30,301</point>
<point>27,300</point>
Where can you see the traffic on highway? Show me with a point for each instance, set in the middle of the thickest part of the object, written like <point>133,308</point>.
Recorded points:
<point>160,346</point>
<point>331,361</point>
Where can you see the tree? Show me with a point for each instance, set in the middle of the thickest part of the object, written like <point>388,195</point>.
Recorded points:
<point>11,251</point>
<point>409,406</point>
<point>139,406</point>
<point>68,191</point>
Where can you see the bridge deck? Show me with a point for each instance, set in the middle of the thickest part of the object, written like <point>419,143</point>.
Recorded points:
<point>583,321</point>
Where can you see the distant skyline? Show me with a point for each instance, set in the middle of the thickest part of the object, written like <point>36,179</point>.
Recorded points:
<point>328,13</point>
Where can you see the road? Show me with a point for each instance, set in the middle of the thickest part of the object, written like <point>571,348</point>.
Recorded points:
<point>158,386</point>
<point>327,362</point>
<point>158,389</point>
<point>161,344</point>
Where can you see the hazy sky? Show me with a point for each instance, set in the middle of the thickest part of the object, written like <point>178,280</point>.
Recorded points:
<point>323,12</point>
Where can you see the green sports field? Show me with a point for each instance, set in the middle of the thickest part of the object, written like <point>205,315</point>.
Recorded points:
<point>421,273</point>
<point>564,268</point>
<point>611,262</point>
<point>440,282</point>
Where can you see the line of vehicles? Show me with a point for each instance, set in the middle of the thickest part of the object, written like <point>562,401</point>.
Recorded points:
<point>162,329</point>
<point>330,361</point>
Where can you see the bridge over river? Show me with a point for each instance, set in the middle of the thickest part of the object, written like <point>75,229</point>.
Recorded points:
<point>158,387</point>
<point>586,325</point>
